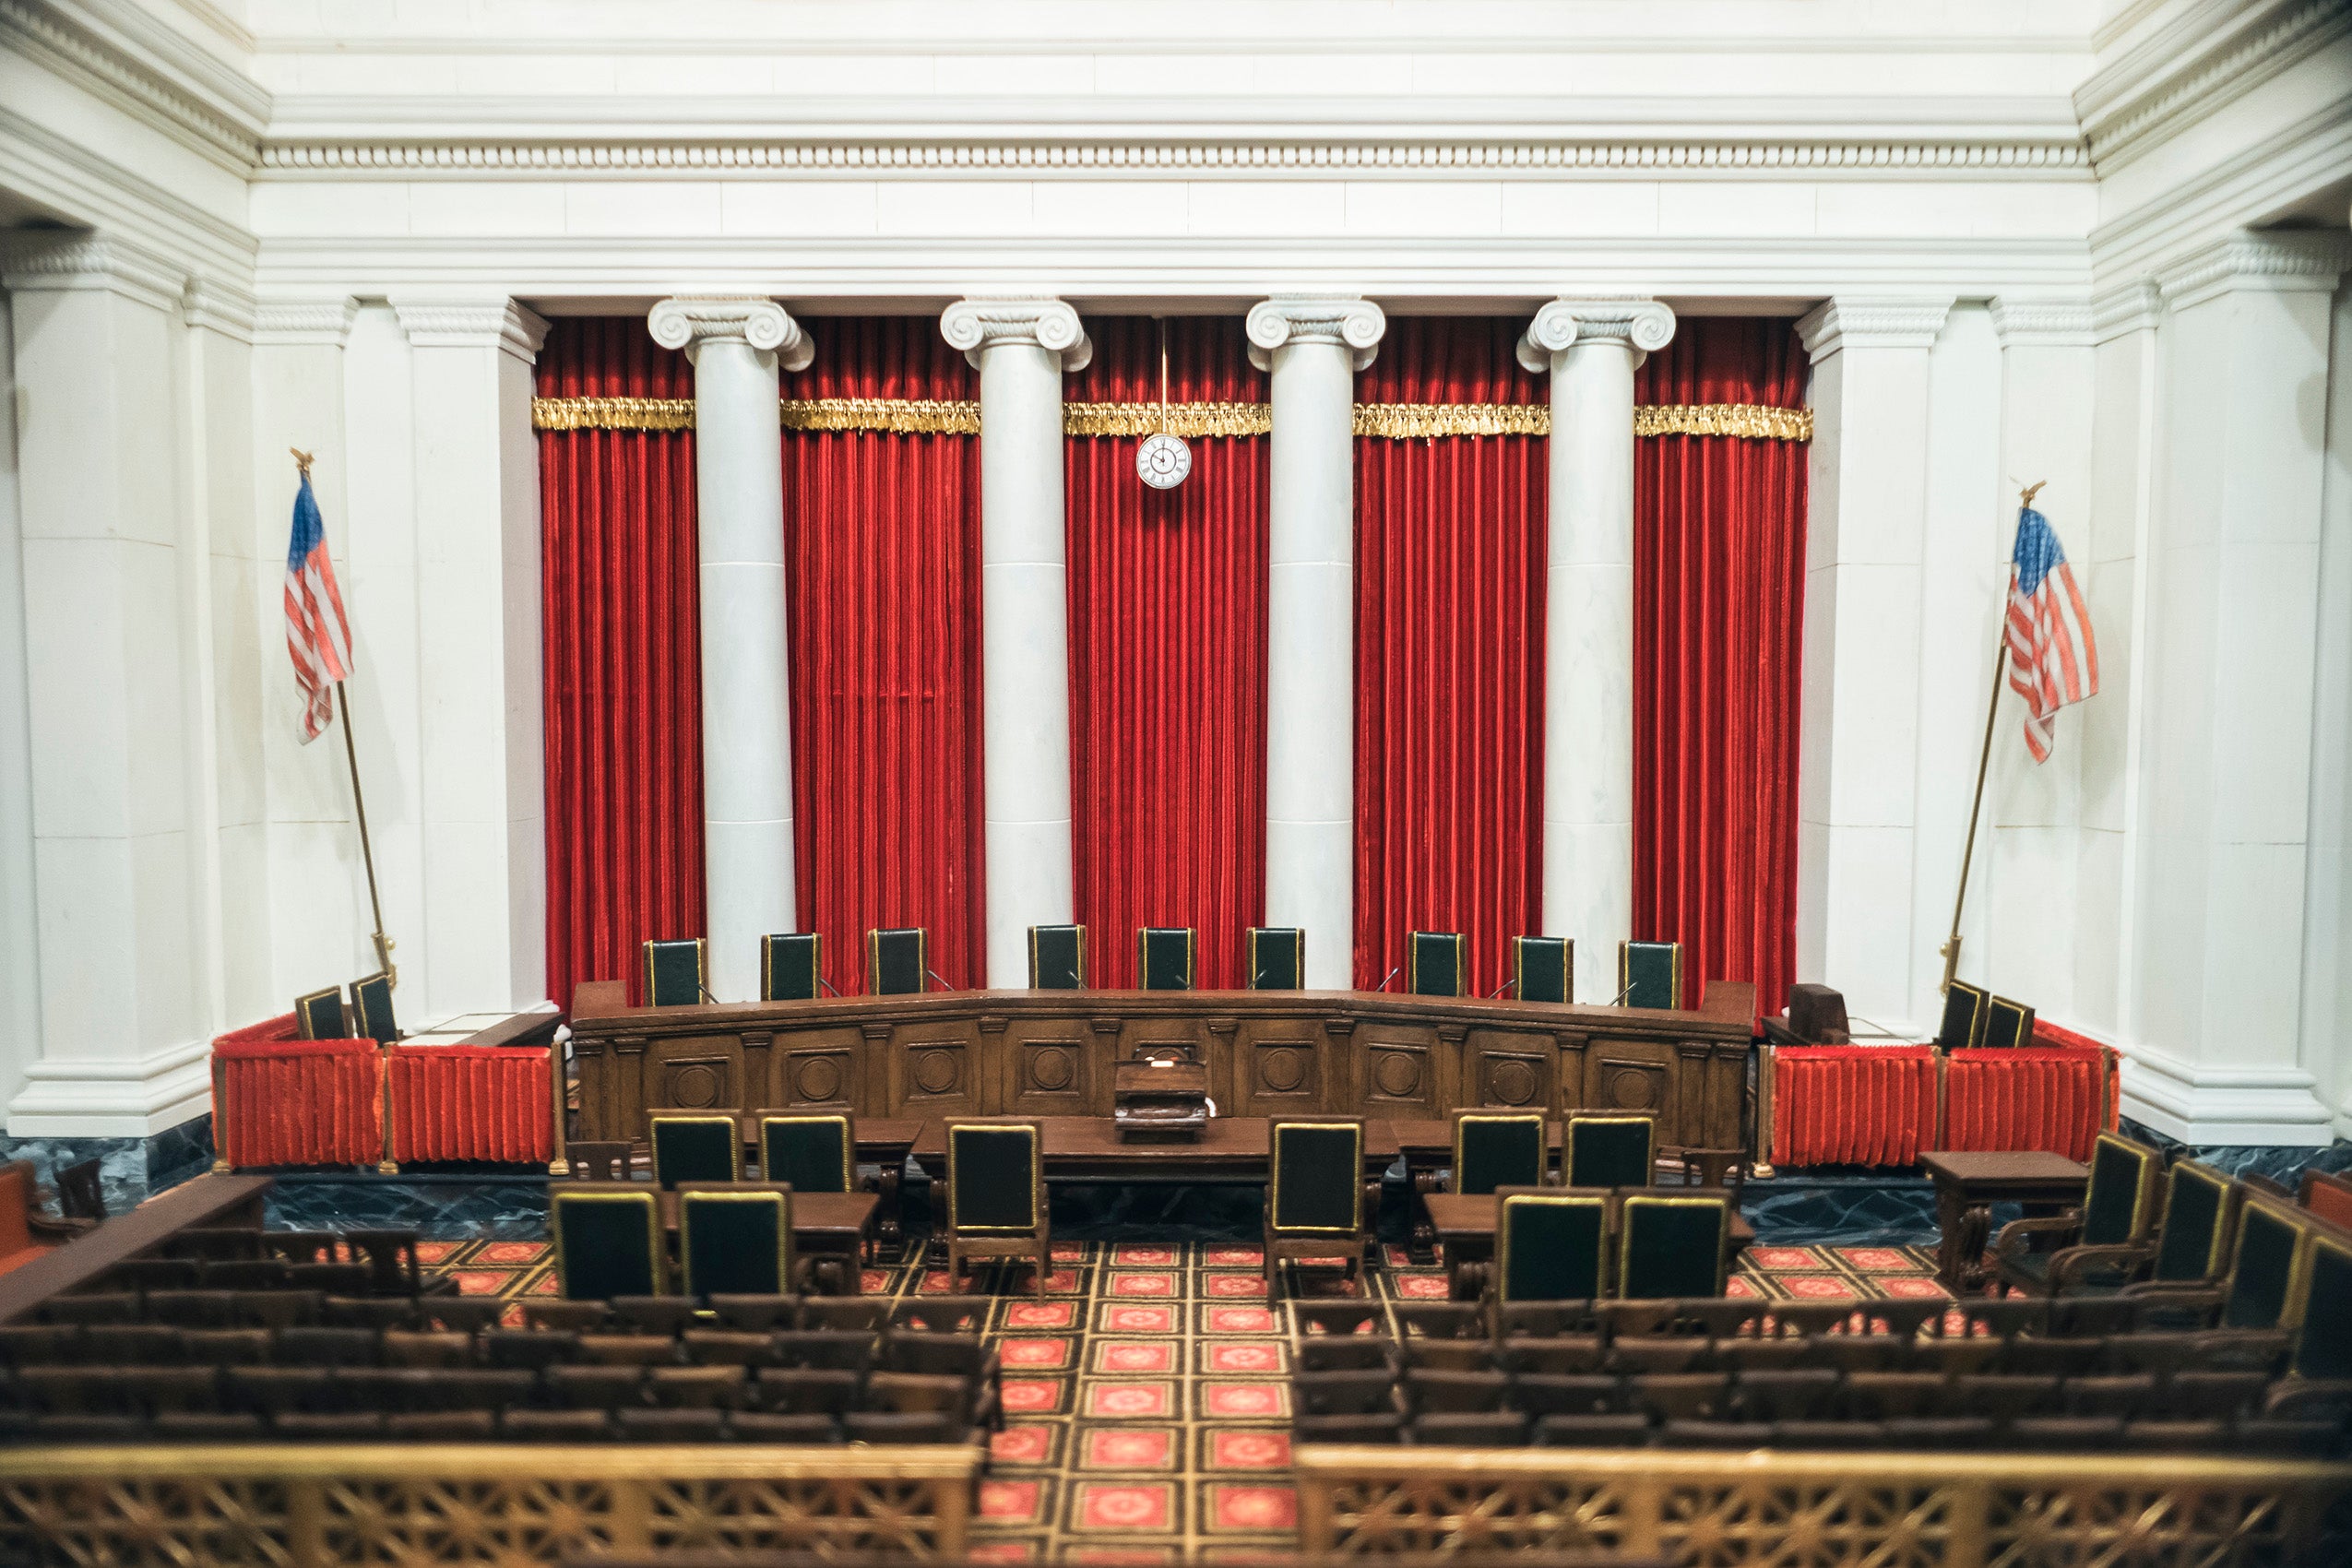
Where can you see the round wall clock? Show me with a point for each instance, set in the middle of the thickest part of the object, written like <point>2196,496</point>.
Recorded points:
<point>1163,460</point>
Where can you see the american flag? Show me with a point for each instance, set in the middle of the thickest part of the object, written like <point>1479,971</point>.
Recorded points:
<point>2053,659</point>
<point>316,633</point>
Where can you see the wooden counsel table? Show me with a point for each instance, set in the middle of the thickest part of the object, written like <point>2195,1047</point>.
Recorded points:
<point>1428,1147</point>
<point>1467,1226</point>
<point>1230,1151</point>
<point>830,1225</point>
<point>1968,1185</point>
<point>1052,1053</point>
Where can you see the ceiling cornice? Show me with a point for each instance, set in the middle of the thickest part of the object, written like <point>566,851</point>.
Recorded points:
<point>118,53</point>
<point>2186,69</point>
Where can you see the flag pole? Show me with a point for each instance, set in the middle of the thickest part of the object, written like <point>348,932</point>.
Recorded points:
<point>1950,949</point>
<point>384,944</point>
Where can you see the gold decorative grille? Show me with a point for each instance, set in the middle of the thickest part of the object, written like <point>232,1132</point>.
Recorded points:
<point>493,1505</point>
<point>1827,1510</point>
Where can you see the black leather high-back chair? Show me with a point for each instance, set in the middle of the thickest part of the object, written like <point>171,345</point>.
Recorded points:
<point>2119,1202</point>
<point>1316,1204</point>
<point>608,1241</point>
<point>1543,968</point>
<point>1608,1151</point>
<point>1552,1244</point>
<point>1671,1243</point>
<point>1057,957</point>
<point>2008,1023</point>
<point>897,961</point>
<point>2200,1212</point>
<point>996,1196</point>
<point>1649,974</point>
<point>2265,1266</point>
<point>809,1153</point>
<point>319,1014</point>
<point>1965,1007</point>
<point>2103,1243</point>
<point>791,964</point>
<point>372,1008</point>
<point>690,1146</point>
<point>1497,1148</point>
<point>677,974</point>
<point>1164,957</point>
<point>1435,963</point>
<point>1277,957</point>
<point>735,1241</point>
<point>2321,1312</point>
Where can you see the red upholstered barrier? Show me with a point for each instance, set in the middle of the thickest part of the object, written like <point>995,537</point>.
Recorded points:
<point>1852,1104</point>
<point>2032,1097</point>
<point>469,1102</point>
<point>280,1101</point>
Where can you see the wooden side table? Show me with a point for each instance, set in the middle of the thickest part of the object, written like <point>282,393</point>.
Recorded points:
<point>1966,1186</point>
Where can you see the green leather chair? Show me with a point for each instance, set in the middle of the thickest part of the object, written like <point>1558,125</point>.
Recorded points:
<point>1497,1148</point>
<point>735,1241</point>
<point>608,1241</point>
<point>1551,1244</point>
<point>1057,957</point>
<point>2266,1268</point>
<point>809,1153</point>
<point>1543,968</point>
<point>319,1016</point>
<point>996,1196</point>
<point>2008,1023</point>
<point>1164,957</point>
<point>1609,1151</point>
<point>677,974</point>
<point>1277,957</point>
<point>2321,1312</point>
<point>2119,1210</point>
<point>791,965</point>
<point>1649,974</point>
<point>1671,1243</point>
<point>695,1146</point>
<point>897,961</point>
<point>1965,1007</point>
<point>372,1009</point>
<point>1315,1205</point>
<point>2190,1245</point>
<point>1435,963</point>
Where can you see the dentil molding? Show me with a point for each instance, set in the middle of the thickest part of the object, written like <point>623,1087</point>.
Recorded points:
<point>1867,322</point>
<point>497,323</point>
<point>2209,56</point>
<point>115,50</point>
<point>1635,323</point>
<point>976,326</point>
<point>1346,320</point>
<point>688,321</point>
<point>2275,261</point>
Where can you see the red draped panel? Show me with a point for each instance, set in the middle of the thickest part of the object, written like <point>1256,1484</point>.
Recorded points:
<point>1450,551</point>
<point>288,1102</point>
<point>1852,1104</point>
<point>882,574</point>
<point>1167,605</point>
<point>469,1102</point>
<point>619,634</point>
<point>2025,1097</point>
<point>1718,607</point>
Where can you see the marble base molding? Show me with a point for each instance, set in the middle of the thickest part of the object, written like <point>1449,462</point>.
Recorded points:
<point>131,1171</point>
<point>2209,1105</point>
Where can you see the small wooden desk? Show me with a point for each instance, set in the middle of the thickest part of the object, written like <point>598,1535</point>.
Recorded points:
<point>1467,1227</point>
<point>828,1225</point>
<point>1968,1183</point>
<point>1230,1151</point>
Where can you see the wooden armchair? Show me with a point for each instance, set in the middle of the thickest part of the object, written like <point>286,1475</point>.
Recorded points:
<point>2118,1211</point>
<point>996,1196</point>
<point>1319,1202</point>
<point>1551,1244</point>
<point>25,1231</point>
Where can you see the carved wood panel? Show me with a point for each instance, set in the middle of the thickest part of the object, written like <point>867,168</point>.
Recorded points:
<point>699,1072</point>
<point>935,1075</point>
<point>1052,1070</point>
<point>1633,1075</point>
<point>1279,1070</point>
<point>1401,1075</point>
<point>1504,1072</point>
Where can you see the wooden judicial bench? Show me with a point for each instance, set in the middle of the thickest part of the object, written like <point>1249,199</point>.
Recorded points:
<point>1267,1053</point>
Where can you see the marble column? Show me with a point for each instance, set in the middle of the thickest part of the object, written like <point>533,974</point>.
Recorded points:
<point>1314,345</point>
<point>1591,347</point>
<point>737,346</point>
<point>1022,347</point>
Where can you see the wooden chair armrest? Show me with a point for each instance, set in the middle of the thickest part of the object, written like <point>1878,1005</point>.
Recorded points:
<point>2016,1237</point>
<point>46,1225</point>
<point>2071,1263</point>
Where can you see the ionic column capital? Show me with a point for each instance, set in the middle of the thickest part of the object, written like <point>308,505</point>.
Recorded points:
<point>1037,321</point>
<point>1346,320</point>
<point>1868,322</point>
<point>689,321</point>
<point>1636,323</point>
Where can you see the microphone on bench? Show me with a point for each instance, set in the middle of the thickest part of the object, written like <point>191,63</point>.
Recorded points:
<point>1386,977</point>
<point>1500,989</point>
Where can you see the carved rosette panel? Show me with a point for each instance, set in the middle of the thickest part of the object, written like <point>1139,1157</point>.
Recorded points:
<point>821,1078</point>
<point>1284,1072</point>
<point>937,1073</point>
<point>1512,1079</point>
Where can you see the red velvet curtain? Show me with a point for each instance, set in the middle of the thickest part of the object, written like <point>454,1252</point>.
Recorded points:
<point>1449,552</point>
<point>881,576</point>
<point>620,636</point>
<point>1168,605</point>
<point>1718,610</point>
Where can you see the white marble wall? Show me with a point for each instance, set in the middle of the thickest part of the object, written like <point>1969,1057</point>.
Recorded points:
<point>2327,912</point>
<point>19,912</point>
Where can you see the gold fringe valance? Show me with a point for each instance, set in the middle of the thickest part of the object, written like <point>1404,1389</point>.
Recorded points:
<point>1396,422</point>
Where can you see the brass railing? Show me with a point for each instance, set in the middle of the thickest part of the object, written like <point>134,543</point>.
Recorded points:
<point>1827,1510</point>
<point>502,1506</point>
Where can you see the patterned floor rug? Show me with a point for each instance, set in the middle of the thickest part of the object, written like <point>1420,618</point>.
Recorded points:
<point>1147,1410</point>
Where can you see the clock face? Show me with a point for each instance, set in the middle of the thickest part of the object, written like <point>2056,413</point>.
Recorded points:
<point>1162,461</point>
